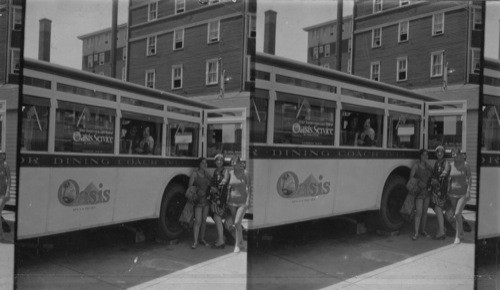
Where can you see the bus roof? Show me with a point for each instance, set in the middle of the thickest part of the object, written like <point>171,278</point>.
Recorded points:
<point>63,71</point>
<point>315,70</point>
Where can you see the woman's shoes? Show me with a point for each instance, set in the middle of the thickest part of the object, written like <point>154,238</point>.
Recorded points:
<point>221,246</point>
<point>236,250</point>
<point>415,237</point>
<point>441,237</point>
<point>194,246</point>
<point>425,234</point>
<point>457,241</point>
<point>203,242</point>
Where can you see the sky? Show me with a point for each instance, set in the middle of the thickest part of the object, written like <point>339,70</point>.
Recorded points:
<point>70,19</point>
<point>492,29</point>
<point>292,17</point>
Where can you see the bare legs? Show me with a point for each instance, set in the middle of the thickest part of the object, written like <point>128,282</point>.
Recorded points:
<point>3,201</point>
<point>238,213</point>
<point>458,205</point>
<point>422,205</point>
<point>440,218</point>
<point>200,224</point>
<point>220,233</point>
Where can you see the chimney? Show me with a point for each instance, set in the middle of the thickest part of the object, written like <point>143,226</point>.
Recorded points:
<point>44,40</point>
<point>270,32</point>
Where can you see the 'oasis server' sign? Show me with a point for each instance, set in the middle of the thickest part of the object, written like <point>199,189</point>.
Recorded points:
<point>288,186</point>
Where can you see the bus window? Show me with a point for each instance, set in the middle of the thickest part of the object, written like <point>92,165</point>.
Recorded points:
<point>491,124</point>
<point>182,138</point>
<point>83,128</point>
<point>35,124</point>
<point>225,139</point>
<point>258,116</point>
<point>445,131</point>
<point>303,120</point>
<point>403,130</point>
<point>140,134</point>
<point>361,126</point>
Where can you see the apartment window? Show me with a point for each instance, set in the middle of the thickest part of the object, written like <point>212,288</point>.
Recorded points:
<point>15,64</point>
<point>90,61</point>
<point>250,72</point>
<point>152,11</point>
<point>403,31</point>
<point>349,45</point>
<point>321,49</point>
<point>377,6</point>
<point>124,51</point>
<point>212,72</point>
<point>377,37</point>
<point>437,64</point>
<point>475,61</point>
<point>150,78</point>
<point>178,39</point>
<point>315,52</point>
<point>213,31</point>
<point>151,45</point>
<point>402,69</point>
<point>326,65</point>
<point>477,20</point>
<point>124,74</point>
<point>349,66</point>
<point>375,71</point>
<point>101,58</point>
<point>404,2</point>
<point>176,76</point>
<point>327,50</point>
<point>17,18</point>
<point>101,73</point>
<point>96,57</point>
<point>252,26</point>
<point>180,6</point>
<point>438,24</point>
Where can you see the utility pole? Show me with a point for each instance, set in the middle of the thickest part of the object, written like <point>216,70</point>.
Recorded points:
<point>338,47</point>
<point>114,35</point>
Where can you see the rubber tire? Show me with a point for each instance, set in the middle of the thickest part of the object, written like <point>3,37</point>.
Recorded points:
<point>393,196</point>
<point>172,204</point>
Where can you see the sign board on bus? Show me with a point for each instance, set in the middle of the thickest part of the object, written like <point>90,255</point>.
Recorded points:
<point>183,138</point>
<point>288,186</point>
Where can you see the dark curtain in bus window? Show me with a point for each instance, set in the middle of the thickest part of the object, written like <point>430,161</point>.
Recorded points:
<point>303,120</point>
<point>182,138</point>
<point>491,124</point>
<point>83,128</point>
<point>258,116</point>
<point>35,133</point>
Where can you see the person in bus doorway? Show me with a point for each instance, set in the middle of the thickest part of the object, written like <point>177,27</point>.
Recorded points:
<point>218,199</point>
<point>239,198</point>
<point>353,132</point>
<point>147,143</point>
<point>4,192</point>
<point>438,189</point>
<point>367,137</point>
<point>201,179</point>
<point>422,171</point>
<point>459,186</point>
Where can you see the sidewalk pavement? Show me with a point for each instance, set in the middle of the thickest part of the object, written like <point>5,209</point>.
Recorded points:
<point>7,254</point>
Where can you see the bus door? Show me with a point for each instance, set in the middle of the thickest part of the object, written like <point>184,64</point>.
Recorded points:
<point>226,133</point>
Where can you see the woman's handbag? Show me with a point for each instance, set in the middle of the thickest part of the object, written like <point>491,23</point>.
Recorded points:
<point>187,216</point>
<point>192,194</point>
<point>408,209</point>
<point>413,186</point>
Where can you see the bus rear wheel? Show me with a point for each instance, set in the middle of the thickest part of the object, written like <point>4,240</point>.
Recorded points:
<point>393,198</point>
<point>172,204</point>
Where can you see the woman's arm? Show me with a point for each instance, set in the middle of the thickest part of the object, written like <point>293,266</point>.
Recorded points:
<point>249,188</point>
<point>469,180</point>
<point>413,171</point>
<point>191,179</point>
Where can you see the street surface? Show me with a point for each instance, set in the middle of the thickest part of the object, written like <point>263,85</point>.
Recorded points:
<point>7,254</point>
<point>327,254</point>
<point>109,258</point>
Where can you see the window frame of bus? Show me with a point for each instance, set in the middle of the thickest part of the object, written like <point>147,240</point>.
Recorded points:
<point>489,101</point>
<point>195,139</point>
<point>78,109</point>
<point>391,138</point>
<point>286,98</point>
<point>258,116</point>
<point>37,103</point>
<point>150,121</point>
<point>370,112</point>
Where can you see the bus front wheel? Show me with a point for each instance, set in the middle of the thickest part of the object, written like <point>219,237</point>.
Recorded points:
<point>172,204</point>
<point>393,198</point>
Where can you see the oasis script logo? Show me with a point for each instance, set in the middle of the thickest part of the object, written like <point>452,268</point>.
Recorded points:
<point>70,195</point>
<point>289,187</point>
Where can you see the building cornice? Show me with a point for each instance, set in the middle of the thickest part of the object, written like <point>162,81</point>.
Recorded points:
<point>326,23</point>
<point>82,37</point>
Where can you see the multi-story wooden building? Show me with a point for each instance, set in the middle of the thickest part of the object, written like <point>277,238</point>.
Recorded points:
<point>321,44</point>
<point>430,46</point>
<point>193,48</point>
<point>96,52</point>
<point>11,34</point>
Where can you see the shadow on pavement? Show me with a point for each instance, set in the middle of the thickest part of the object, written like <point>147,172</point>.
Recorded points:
<point>319,254</point>
<point>106,258</point>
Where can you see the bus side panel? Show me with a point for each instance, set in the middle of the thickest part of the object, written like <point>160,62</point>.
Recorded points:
<point>82,199</point>
<point>294,195</point>
<point>489,203</point>
<point>260,191</point>
<point>33,202</point>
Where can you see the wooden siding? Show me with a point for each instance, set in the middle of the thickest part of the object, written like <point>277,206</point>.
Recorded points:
<point>193,57</point>
<point>418,49</point>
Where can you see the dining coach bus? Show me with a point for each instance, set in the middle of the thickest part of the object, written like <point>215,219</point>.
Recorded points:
<point>488,224</point>
<point>97,151</point>
<point>325,143</point>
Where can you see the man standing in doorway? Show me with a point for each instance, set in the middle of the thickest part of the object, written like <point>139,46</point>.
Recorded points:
<point>4,192</point>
